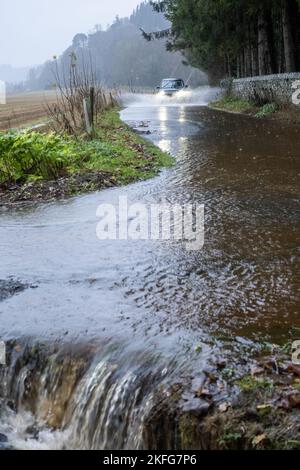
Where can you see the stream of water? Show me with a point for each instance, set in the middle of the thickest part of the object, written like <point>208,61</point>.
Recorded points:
<point>138,310</point>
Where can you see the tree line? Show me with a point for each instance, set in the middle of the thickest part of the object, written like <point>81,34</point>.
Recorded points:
<point>235,38</point>
<point>119,55</point>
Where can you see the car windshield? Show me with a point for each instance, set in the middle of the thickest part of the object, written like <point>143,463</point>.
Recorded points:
<point>172,84</point>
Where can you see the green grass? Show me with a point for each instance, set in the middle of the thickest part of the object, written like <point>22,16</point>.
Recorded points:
<point>116,149</point>
<point>30,155</point>
<point>230,440</point>
<point>233,104</point>
<point>266,110</point>
<point>250,384</point>
<point>119,150</point>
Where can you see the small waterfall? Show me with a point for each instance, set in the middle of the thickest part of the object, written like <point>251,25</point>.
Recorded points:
<point>109,410</point>
<point>54,397</point>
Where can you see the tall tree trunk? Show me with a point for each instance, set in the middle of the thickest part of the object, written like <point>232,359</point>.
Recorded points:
<point>280,61</point>
<point>229,68</point>
<point>295,21</point>
<point>254,49</point>
<point>248,61</point>
<point>238,68</point>
<point>288,41</point>
<point>264,47</point>
<point>242,59</point>
<point>254,61</point>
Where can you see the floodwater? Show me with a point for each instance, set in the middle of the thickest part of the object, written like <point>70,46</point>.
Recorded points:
<point>156,297</point>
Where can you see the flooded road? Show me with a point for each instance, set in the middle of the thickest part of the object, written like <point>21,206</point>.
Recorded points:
<point>246,172</point>
<point>149,304</point>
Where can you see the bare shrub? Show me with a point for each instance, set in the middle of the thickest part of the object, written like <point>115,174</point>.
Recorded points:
<point>80,100</point>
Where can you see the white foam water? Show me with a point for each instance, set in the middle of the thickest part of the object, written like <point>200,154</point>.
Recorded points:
<point>20,430</point>
<point>201,96</point>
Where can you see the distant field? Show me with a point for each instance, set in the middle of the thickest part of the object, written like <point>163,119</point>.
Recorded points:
<point>25,109</point>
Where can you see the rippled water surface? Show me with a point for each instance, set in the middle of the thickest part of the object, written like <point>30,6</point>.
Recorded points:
<point>245,280</point>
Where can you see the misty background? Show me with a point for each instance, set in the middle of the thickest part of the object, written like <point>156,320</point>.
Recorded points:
<point>32,31</point>
<point>44,36</point>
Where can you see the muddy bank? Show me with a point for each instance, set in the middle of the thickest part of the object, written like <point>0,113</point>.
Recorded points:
<point>58,189</point>
<point>76,397</point>
<point>259,410</point>
<point>247,404</point>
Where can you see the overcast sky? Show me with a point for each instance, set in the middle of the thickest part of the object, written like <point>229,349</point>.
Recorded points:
<point>32,31</point>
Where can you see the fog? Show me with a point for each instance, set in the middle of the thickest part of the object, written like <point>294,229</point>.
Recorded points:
<point>32,31</point>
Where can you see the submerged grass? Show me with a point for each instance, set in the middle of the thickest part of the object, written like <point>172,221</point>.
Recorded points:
<point>122,152</point>
<point>233,104</point>
<point>267,109</point>
<point>29,156</point>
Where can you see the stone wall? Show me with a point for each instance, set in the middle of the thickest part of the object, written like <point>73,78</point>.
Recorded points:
<point>267,89</point>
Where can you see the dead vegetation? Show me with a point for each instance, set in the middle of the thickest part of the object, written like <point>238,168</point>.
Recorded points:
<point>80,100</point>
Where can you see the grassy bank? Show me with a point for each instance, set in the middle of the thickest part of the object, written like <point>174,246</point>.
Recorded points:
<point>36,165</point>
<point>233,104</point>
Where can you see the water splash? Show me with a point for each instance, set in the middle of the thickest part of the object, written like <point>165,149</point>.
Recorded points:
<point>24,434</point>
<point>197,97</point>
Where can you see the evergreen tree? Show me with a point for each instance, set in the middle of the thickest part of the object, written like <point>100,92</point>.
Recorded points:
<point>234,37</point>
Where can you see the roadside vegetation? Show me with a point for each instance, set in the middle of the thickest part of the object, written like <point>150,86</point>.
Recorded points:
<point>234,104</point>
<point>30,159</point>
<point>84,147</point>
